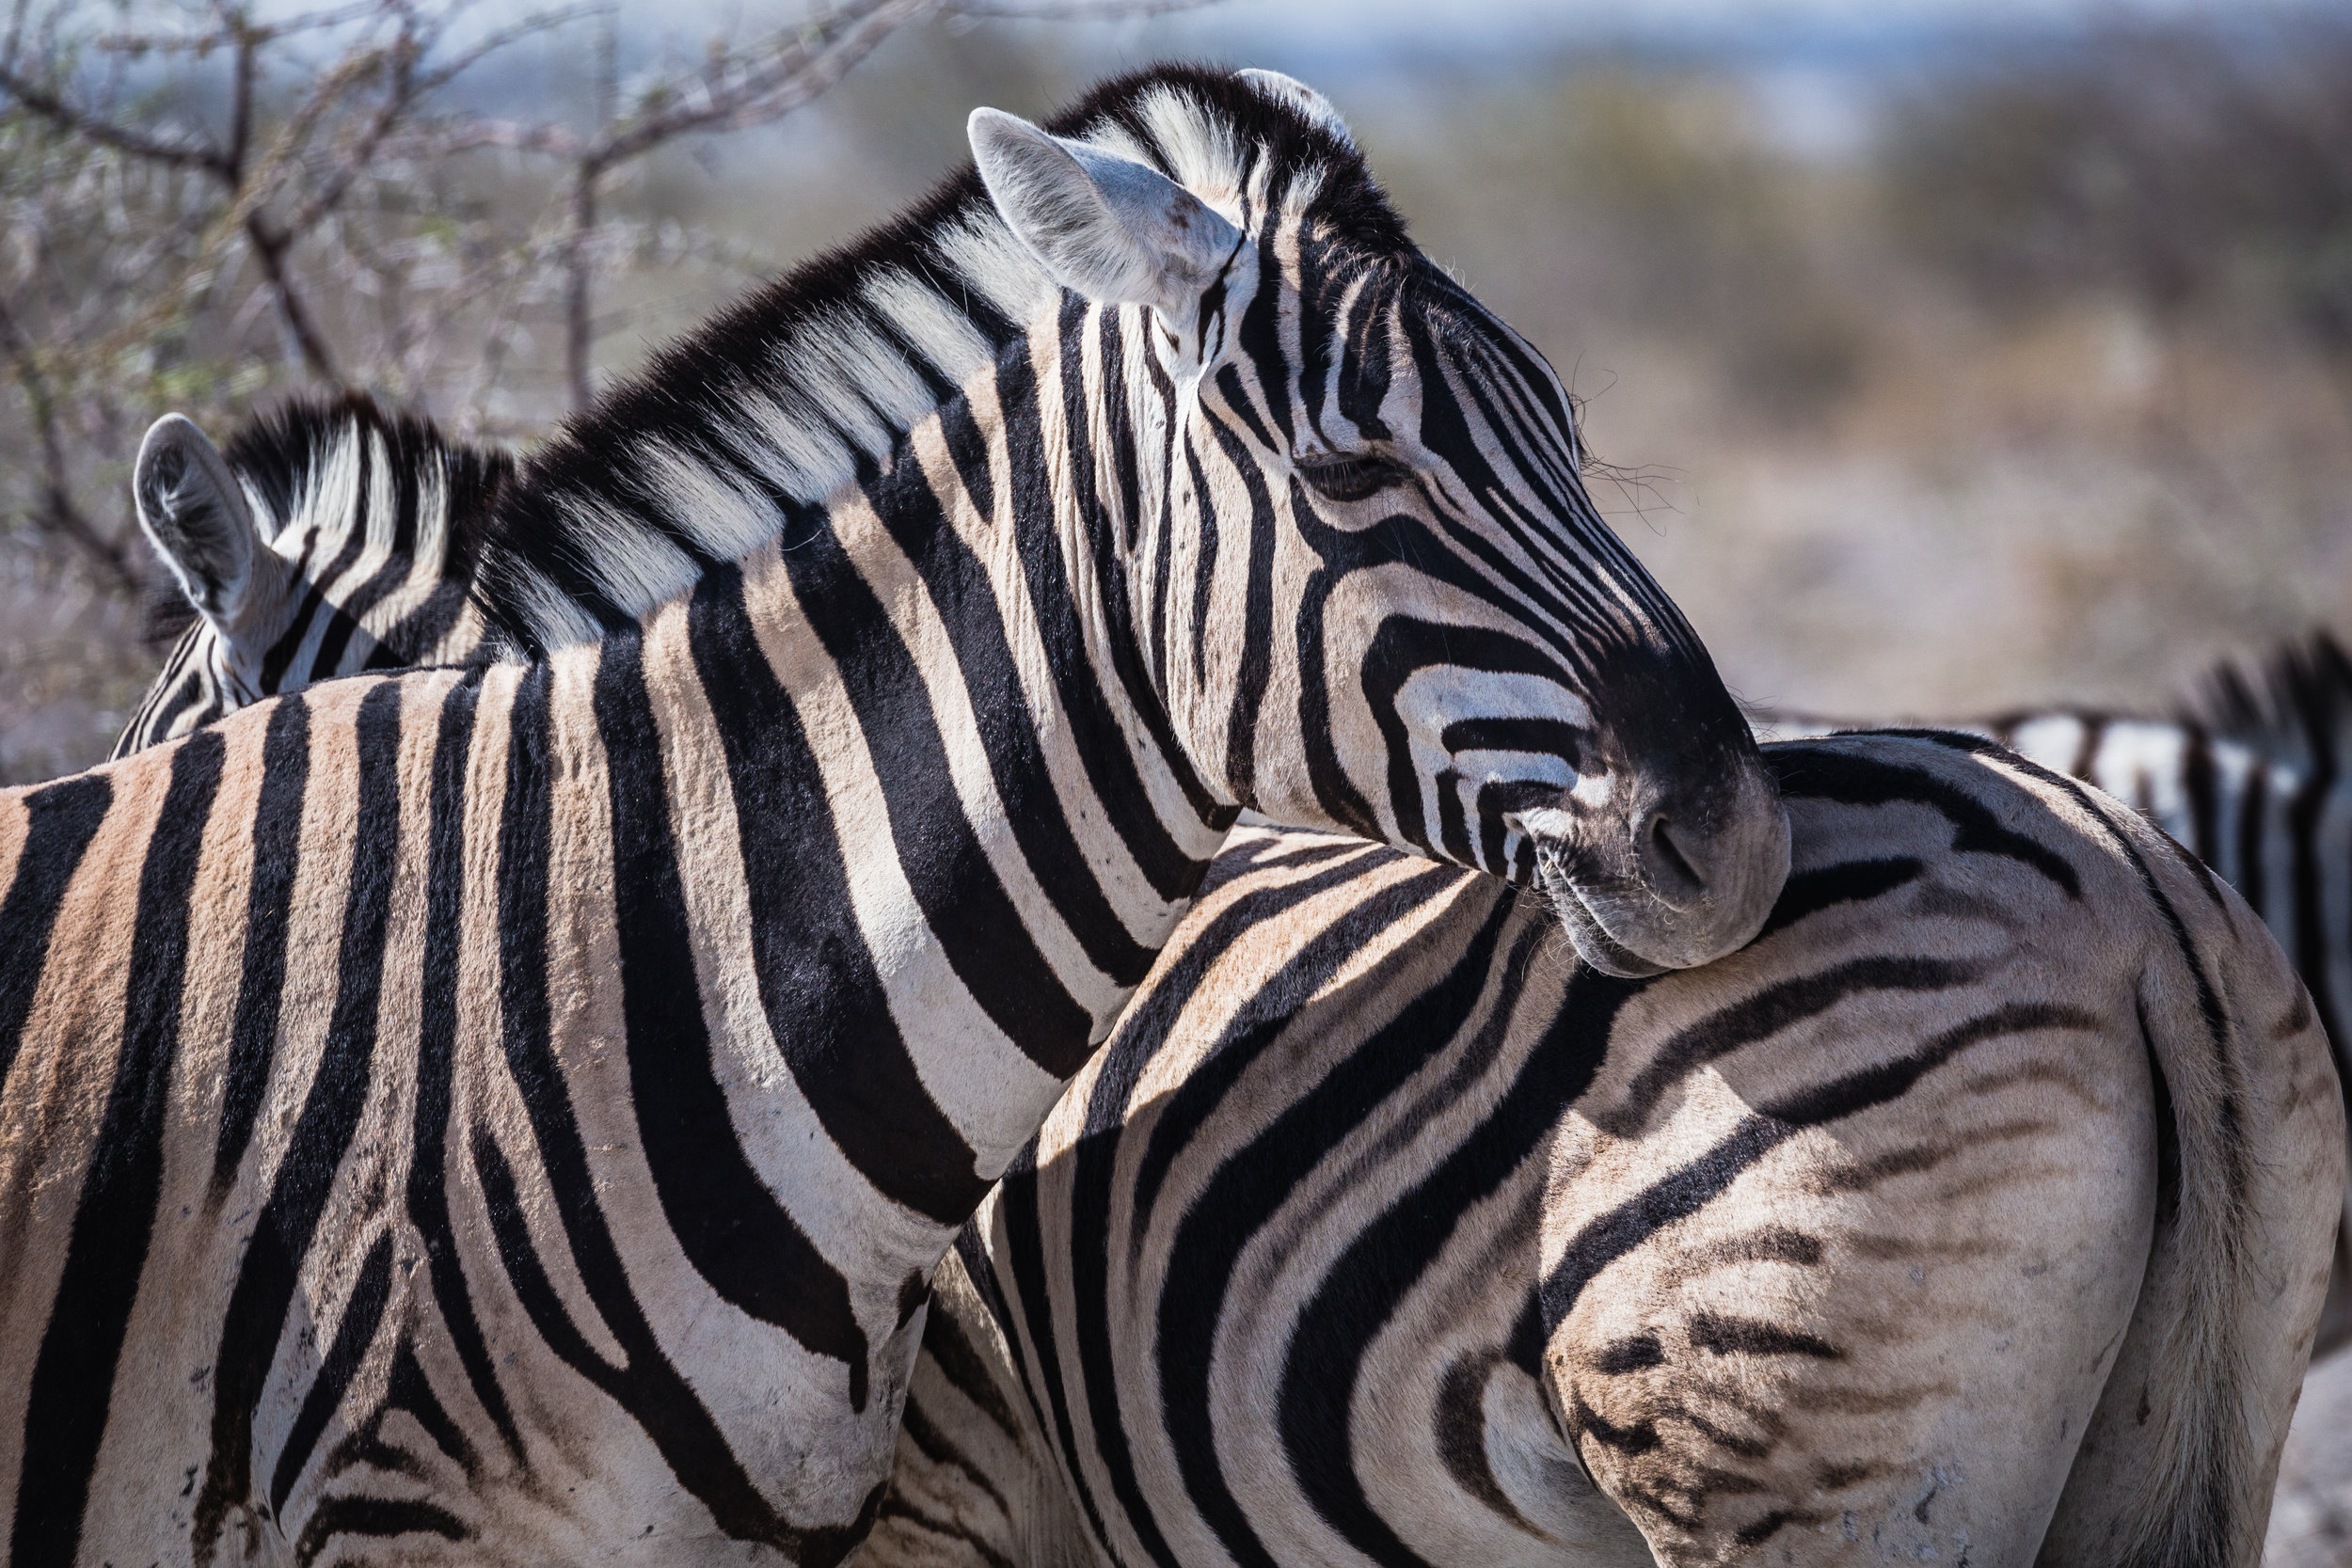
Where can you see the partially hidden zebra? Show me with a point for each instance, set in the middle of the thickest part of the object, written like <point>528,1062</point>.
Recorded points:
<point>1977,1212</point>
<point>513,1114</point>
<point>331,537</point>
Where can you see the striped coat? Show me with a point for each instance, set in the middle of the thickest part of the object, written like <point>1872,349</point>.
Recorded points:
<point>513,1114</point>
<point>1980,1210</point>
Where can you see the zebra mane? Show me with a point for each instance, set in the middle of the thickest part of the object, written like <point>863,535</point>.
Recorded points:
<point>289,459</point>
<point>2296,704</point>
<point>817,377</point>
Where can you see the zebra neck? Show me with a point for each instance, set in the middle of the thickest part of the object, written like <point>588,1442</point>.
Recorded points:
<point>933,824</point>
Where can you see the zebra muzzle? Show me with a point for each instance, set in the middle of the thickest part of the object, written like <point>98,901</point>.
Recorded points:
<point>1667,883</point>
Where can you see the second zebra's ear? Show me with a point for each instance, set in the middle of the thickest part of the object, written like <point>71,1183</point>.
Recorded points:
<point>1116,231</point>
<point>195,516</point>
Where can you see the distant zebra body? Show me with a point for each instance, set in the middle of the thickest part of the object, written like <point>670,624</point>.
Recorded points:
<point>331,538</point>
<point>511,1115</point>
<point>1977,1212</point>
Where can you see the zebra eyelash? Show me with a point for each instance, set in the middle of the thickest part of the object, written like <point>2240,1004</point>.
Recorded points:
<point>1349,478</point>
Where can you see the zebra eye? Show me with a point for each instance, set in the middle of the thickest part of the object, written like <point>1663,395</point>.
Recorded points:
<point>1349,479</point>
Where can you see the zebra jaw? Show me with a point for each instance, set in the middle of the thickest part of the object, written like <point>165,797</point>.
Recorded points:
<point>1633,910</point>
<point>1591,939</point>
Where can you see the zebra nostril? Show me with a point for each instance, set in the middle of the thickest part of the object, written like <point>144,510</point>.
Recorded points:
<point>1672,876</point>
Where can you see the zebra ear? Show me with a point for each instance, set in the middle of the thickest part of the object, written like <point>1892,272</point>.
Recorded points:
<point>194,514</point>
<point>1109,227</point>
<point>1292,93</point>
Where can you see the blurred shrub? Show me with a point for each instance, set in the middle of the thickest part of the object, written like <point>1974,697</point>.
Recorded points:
<point>2184,168</point>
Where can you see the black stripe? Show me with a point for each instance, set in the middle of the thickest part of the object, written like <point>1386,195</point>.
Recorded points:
<point>405,1387</point>
<point>2094,730</point>
<point>1255,670</point>
<point>1607,1237</point>
<point>1549,594</point>
<point>978,926</point>
<point>141,731</point>
<point>1361,1293</point>
<point>1111,770</point>
<point>71,1389</point>
<point>2306,878</point>
<point>1261,336</point>
<point>1145,1030</point>
<point>963,1541</point>
<point>1808,892</point>
<point>952,1352</point>
<point>825,1005</point>
<point>1610,1236</point>
<point>960,586</point>
<point>376,1519</point>
<point>732,1230</point>
<point>353,539</point>
<point>1254,1182</point>
<point>1101,554</point>
<point>184,681</point>
<point>1813,771</point>
<point>436,1053</point>
<point>2200,780</point>
<point>270,1271</point>
<point>2253,816</point>
<point>60,821</point>
<point>362,1315</point>
<point>1849,1094</point>
<point>1404,647</point>
<point>1119,432</point>
<point>2232,1142</point>
<point>268,904</point>
<point>1761,1014</point>
<point>939,1449</point>
<point>1207,538</point>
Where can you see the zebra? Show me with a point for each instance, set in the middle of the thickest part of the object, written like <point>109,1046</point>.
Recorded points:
<point>2249,772</point>
<point>1980,1210</point>
<point>333,537</point>
<point>2234,783</point>
<point>514,1112</point>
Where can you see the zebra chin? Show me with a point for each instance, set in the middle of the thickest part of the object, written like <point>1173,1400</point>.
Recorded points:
<point>1666,882</point>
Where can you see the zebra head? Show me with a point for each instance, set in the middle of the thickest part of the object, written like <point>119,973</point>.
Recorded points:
<point>1345,489</point>
<point>326,542</point>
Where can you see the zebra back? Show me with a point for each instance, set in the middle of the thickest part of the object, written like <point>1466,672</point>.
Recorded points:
<point>2252,773</point>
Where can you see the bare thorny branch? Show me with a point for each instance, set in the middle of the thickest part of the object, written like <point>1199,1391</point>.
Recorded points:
<point>57,512</point>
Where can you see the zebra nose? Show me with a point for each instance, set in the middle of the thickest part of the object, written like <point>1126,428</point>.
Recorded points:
<point>1673,858</point>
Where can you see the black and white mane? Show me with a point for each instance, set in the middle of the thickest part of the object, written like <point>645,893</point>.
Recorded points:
<point>815,380</point>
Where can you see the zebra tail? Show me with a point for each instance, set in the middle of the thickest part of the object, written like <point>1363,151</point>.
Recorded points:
<point>2177,1466</point>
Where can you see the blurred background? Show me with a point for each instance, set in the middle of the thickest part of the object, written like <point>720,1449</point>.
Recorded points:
<point>1941,358</point>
